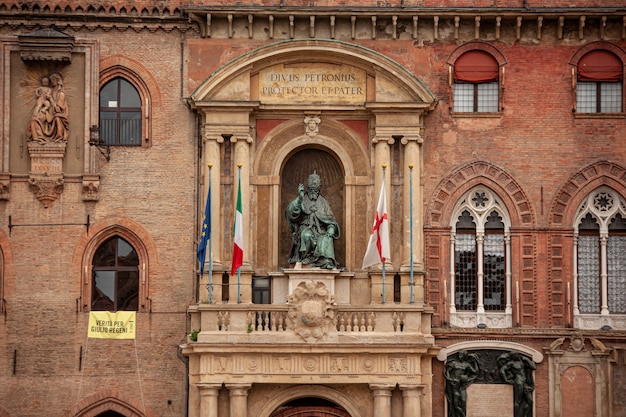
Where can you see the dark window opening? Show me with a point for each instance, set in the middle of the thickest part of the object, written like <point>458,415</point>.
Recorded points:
<point>225,287</point>
<point>397,288</point>
<point>120,114</point>
<point>115,284</point>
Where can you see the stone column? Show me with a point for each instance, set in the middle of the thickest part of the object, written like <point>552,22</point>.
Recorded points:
<point>241,156</point>
<point>604,292</point>
<point>382,155</point>
<point>209,394</point>
<point>382,399</point>
<point>238,399</point>
<point>211,155</point>
<point>411,406</point>
<point>412,159</point>
<point>413,248</point>
<point>480,273</point>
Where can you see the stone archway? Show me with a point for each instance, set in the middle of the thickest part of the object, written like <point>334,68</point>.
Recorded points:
<point>310,407</point>
<point>311,412</point>
<point>305,399</point>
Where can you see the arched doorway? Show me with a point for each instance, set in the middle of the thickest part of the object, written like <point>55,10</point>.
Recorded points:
<point>310,407</point>
<point>296,170</point>
<point>110,413</point>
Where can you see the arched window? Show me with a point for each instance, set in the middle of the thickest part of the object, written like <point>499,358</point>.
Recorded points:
<point>599,83</point>
<point>115,272</point>
<point>476,83</point>
<point>480,268</point>
<point>600,270</point>
<point>120,113</point>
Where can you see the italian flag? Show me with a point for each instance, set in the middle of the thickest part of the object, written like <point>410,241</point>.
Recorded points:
<point>238,236</point>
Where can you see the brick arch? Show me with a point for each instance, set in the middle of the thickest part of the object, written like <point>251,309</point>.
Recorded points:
<point>451,188</point>
<point>570,196</point>
<point>477,46</point>
<point>141,78</point>
<point>123,66</point>
<point>592,46</point>
<point>125,228</point>
<point>110,400</point>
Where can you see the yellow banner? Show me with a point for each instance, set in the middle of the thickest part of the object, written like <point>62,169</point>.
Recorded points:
<point>112,325</point>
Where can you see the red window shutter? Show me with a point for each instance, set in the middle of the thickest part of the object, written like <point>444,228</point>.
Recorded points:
<point>476,67</point>
<point>600,65</point>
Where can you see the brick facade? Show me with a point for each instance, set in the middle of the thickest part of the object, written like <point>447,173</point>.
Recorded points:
<point>196,67</point>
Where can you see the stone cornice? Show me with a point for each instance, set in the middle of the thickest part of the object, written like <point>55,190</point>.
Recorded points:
<point>457,333</point>
<point>407,22</point>
<point>403,22</point>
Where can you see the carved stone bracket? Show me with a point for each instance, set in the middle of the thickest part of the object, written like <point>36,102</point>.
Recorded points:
<point>46,170</point>
<point>91,187</point>
<point>5,188</point>
<point>46,190</point>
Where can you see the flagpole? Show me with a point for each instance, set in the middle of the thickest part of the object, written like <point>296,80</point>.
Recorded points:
<point>210,285</point>
<point>411,227</point>
<point>384,167</point>
<point>239,267</point>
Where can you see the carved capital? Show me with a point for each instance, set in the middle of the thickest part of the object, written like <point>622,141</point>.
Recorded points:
<point>408,139</point>
<point>383,139</point>
<point>213,137</point>
<point>236,138</point>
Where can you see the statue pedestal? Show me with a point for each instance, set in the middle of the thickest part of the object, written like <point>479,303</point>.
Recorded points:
<point>298,275</point>
<point>283,284</point>
<point>46,170</point>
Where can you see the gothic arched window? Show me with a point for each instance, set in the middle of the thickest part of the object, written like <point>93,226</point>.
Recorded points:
<point>600,269</point>
<point>480,268</point>
<point>115,277</point>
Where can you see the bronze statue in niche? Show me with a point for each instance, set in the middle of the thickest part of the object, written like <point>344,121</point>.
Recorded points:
<point>49,122</point>
<point>517,369</point>
<point>461,371</point>
<point>489,366</point>
<point>313,227</point>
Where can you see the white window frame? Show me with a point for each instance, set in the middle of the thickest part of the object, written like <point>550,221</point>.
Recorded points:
<point>480,213</point>
<point>603,215</point>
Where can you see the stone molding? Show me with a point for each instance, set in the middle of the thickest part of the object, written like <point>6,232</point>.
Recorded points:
<point>322,365</point>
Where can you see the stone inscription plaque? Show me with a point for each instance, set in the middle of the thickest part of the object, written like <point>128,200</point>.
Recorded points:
<point>297,85</point>
<point>490,400</point>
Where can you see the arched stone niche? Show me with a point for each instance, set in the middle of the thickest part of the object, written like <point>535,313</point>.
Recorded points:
<point>287,85</point>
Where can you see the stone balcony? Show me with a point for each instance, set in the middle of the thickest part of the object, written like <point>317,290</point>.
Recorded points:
<point>271,323</point>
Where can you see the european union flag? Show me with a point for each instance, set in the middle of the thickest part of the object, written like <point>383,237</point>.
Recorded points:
<point>205,232</point>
